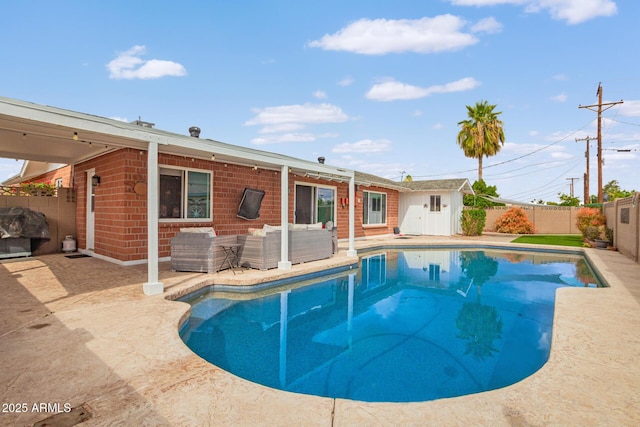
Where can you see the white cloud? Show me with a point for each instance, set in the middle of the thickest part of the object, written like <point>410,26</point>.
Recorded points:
<point>282,122</point>
<point>629,108</point>
<point>381,36</point>
<point>284,127</point>
<point>347,81</point>
<point>571,11</point>
<point>363,146</point>
<point>517,149</point>
<point>533,133</point>
<point>320,94</point>
<point>438,126</point>
<point>560,155</point>
<point>487,25</point>
<point>128,65</point>
<point>393,90</point>
<point>287,137</point>
<point>384,170</point>
<point>574,11</point>
<point>291,137</point>
<point>560,77</point>
<point>561,97</point>
<point>307,113</point>
<point>418,113</point>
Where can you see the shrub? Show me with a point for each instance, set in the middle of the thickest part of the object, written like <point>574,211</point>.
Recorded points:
<point>514,221</point>
<point>592,232</point>
<point>473,222</point>
<point>589,217</point>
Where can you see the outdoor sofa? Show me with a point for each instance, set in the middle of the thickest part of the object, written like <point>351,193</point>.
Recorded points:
<point>260,248</point>
<point>199,249</point>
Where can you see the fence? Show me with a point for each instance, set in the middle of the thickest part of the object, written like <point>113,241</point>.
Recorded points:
<point>546,219</point>
<point>623,216</point>
<point>58,206</point>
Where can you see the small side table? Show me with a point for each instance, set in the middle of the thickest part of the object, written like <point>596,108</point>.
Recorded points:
<point>230,256</point>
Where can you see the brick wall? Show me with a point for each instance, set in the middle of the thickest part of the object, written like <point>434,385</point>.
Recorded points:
<point>64,173</point>
<point>121,213</point>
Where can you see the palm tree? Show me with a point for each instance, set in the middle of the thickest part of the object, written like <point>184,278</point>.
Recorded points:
<point>482,133</point>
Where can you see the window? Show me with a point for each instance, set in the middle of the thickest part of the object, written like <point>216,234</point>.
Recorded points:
<point>58,182</point>
<point>315,204</point>
<point>435,204</point>
<point>374,208</point>
<point>185,194</point>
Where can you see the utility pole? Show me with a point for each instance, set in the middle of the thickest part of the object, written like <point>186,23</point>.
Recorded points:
<point>599,111</point>
<point>587,196</point>
<point>571,186</point>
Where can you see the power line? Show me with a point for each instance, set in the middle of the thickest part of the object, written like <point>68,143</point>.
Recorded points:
<point>546,185</point>
<point>625,123</point>
<point>507,161</point>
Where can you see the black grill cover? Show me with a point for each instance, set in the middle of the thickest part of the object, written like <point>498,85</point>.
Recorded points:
<point>23,222</point>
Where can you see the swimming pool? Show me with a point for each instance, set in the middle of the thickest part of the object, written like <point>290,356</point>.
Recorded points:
<point>407,325</point>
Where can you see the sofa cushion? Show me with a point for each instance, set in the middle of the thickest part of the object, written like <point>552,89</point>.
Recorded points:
<point>207,230</point>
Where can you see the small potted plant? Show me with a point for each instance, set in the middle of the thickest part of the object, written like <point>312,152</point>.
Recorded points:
<point>595,236</point>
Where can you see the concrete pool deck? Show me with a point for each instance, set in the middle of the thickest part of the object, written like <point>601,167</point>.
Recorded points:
<point>80,332</point>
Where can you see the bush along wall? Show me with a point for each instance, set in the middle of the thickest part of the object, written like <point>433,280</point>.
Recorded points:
<point>473,222</point>
<point>515,221</point>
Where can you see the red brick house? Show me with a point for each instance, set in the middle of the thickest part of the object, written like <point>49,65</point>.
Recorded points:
<point>135,185</point>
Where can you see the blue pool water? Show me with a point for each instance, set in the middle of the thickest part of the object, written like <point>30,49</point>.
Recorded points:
<point>407,325</point>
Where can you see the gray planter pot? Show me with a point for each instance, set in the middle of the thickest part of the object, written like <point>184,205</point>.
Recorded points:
<point>602,244</point>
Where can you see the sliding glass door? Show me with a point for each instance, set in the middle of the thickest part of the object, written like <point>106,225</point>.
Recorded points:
<point>314,203</point>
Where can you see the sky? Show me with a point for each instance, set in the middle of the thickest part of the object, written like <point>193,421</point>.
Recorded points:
<point>377,87</point>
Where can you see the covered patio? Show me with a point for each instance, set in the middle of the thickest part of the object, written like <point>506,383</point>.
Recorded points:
<point>47,134</point>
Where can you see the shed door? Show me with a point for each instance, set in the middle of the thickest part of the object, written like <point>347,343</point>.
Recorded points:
<point>437,215</point>
<point>414,214</point>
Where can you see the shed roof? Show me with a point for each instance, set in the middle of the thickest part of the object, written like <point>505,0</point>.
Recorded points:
<point>457,184</point>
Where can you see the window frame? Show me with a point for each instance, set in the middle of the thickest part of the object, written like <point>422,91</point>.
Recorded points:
<point>314,199</point>
<point>435,203</point>
<point>368,207</point>
<point>184,202</point>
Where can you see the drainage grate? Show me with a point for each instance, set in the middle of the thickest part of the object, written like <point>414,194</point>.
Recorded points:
<point>78,256</point>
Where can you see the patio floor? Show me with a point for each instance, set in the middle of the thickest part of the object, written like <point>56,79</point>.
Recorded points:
<point>80,332</point>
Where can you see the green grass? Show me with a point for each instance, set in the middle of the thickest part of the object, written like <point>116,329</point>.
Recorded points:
<point>551,239</point>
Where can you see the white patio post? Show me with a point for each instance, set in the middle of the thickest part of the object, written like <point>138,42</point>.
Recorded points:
<point>284,263</point>
<point>153,286</point>
<point>352,194</point>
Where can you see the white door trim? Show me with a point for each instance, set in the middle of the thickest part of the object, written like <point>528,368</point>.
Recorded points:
<point>90,211</point>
